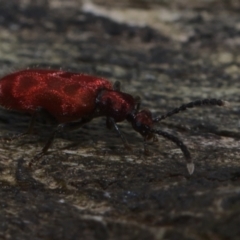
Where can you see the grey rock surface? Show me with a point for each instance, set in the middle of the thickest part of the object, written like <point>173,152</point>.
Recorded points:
<point>88,186</point>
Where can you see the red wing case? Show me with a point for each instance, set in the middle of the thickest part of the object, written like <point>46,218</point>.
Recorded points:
<point>66,96</point>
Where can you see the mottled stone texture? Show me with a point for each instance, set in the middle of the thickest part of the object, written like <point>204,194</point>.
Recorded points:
<point>89,186</point>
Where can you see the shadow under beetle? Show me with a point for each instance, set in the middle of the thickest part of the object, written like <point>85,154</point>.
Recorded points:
<point>74,99</point>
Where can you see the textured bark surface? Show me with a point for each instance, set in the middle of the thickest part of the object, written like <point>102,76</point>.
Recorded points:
<point>89,186</point>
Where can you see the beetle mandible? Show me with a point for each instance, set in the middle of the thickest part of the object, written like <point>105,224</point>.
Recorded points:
<point>74,99</point>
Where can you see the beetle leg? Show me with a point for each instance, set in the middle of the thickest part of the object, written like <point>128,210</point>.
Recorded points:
<point>39,111</point>
<point>60,128</point>
<point>63,127</point>
<point>30,125</point>
<point>28,131</point>
<point>145,142</point>
<point>117,86</point>
<point>111,123</point>
<point>138,103</point>
<point>145,147</point>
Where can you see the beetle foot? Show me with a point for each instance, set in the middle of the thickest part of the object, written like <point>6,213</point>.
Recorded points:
<point>128,147</point>
<point>35,159</point>
<point>147,152</point>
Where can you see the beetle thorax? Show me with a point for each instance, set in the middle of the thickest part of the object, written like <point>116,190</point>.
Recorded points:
<point>115,104</point>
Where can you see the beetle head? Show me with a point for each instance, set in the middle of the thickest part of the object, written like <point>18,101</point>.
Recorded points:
<point>142,122</point>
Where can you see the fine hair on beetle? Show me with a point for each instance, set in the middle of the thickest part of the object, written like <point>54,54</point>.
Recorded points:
<point>74,99</point>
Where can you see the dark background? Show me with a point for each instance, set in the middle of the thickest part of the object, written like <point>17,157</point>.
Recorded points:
<point>89,186</point>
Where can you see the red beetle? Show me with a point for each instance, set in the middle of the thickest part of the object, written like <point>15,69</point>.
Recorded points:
<point>74,99</point>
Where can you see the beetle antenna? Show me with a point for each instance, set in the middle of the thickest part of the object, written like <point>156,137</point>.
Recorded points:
<point>180,144</point>
<point>137,100</point>
<point>198,103</point>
